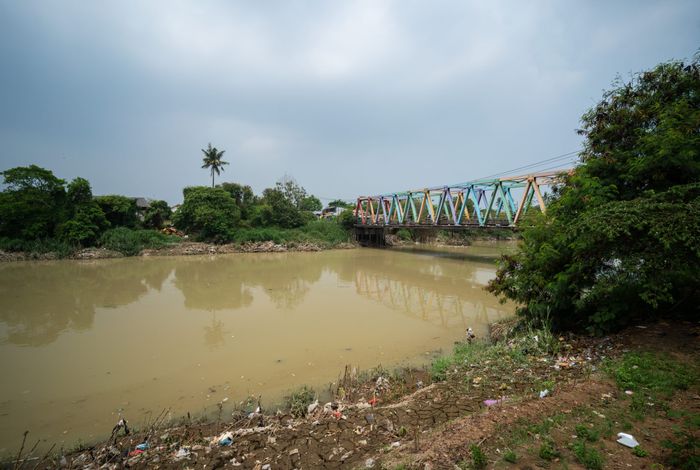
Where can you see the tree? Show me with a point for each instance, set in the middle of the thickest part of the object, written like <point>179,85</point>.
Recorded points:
<point>291,190</point>
<point>86,221</point>
<point>340,203</point>
<point>156,215</point>
<point>121,211</point>
<point>311,203</point>
<point>212,160</point>
<point>620,240</point>
<point>279,210</point>
<point>32,205</point>
<point>211,213</point>
<point>244,197</point>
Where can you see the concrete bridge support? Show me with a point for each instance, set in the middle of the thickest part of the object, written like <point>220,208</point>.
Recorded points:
<point>371,236</point>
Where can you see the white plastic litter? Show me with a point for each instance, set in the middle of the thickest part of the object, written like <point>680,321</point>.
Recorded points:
<point>627,440</point>
<point>544,393</point>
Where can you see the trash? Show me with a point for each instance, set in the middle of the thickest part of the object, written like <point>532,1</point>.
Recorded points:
<point>373,401</point>
<point>629,392</point>
<point>382,384</point>
<point>627,440</point>
<point>267,466</point>
<point>369,463</point>
<point>470,335</point>
<point>419,384</point>
<point>182,454</point>
<point>142,446</point>
<point>394,445</point>
<point>544,393</point>
<point>476,380</point>
<point>136,452</point>
<point>492,402</point>
<point>122,423</point>
<point>293,452</point>
<point>225,439</point>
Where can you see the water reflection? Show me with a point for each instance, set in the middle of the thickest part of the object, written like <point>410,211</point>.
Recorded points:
<point>40,300</point>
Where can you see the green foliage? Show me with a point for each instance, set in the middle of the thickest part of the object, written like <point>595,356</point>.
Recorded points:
<point>157,214</point>
<point>586,455</point>
<point>639,452</point>
<point>298,401</point>
<point>347,219</point>
<point>439,368</point>
<point>404,234</point>
<point>120,211</point>
<point>324,232</point>
<point>684,448</point>
<point>618,242</point>
<point>32,204</point>
<point>650,373</point>
<point>548,451</point>
<point>35,248</point>
<point>244,197</point>
<point>510,456</point>
<point>86,220</point>
<point>479,459</point>
<point>584,432</point>
<point>213,161</point>
<point>311,203</point>
<point>130,242</point>
<point>278,210</point>
<point>211,213</point>
<point>340,203</point>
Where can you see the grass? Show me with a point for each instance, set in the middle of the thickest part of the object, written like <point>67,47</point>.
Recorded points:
<point>653,378</point>
<point>510,456</point>
<point>35,248</point>
<point>130,242</point>
<point>479,459</point>
<point>586,455</point>
<point>326,233</point>
<point>548,451</point>
<point>299,400</point>
<point>584,432</point>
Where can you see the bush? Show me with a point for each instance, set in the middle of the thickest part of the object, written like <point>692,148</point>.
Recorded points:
<point>298,402</point>
<point>617,243</point>
<point>587,456</point>
<point>130,242</point>
<point>211,213</point>
<point>120,211</point>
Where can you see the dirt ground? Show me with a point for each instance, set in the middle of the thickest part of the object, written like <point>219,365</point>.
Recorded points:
<point>418,424</point>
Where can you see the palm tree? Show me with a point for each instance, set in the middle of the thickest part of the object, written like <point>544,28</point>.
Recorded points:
<point>212,159</point>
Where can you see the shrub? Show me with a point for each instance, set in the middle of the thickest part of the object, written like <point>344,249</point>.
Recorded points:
<point>130,242</point>
<point>211,213</point>
<point>120,211</point>
<point>298,401</point>
<point>479,459</point>
<point>587,456</point>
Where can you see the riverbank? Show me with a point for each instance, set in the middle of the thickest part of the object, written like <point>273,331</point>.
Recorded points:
<point>179,249</point>
<point>528,399</point>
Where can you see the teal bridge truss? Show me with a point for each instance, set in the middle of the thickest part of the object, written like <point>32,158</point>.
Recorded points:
<point>499,202</point>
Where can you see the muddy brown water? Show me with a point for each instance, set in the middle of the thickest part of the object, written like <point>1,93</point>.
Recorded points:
<point>85,342</point>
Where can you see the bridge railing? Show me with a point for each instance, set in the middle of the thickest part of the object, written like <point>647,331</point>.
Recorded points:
<point>477,203</point>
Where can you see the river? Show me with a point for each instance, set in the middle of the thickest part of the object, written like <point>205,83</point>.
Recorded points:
<point>84,342</point>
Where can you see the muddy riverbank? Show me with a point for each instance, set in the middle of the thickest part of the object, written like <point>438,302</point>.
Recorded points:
<point>179,249</point>
<point>516,402</point>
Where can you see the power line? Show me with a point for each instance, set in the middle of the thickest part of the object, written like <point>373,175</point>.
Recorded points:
<point>564,156</point>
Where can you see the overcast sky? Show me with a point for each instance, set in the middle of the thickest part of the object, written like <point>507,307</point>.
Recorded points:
<point>348,97</point>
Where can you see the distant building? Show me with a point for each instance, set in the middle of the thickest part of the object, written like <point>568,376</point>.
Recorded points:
<point>330,212</point>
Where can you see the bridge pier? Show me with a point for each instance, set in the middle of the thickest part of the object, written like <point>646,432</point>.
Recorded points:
<point>370,236</point>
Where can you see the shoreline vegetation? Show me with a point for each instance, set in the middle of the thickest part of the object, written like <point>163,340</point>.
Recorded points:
<point>316,236</point>
<point>523,395</point>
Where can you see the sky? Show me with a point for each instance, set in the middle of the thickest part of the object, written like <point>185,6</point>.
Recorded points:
<point>348,97</point>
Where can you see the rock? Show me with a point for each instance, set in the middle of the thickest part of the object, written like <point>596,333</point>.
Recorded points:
<point>294,452</point>
<point>267,466</point>
<point>369,463</point>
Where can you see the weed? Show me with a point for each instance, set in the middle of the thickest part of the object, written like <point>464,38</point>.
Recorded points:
<point>510,456</point>
<point>479,459</point>
<point>586,433</point>
<point>402,431</point>
<point>639,452</point>
<point>298,401</point>
<point>685,449</point>
<point>587,456</point>
<point>547,451</point>
<point>439,367</point>
<point>650,372</point>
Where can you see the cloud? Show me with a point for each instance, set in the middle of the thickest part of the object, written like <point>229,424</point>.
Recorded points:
<point>348,97</point>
